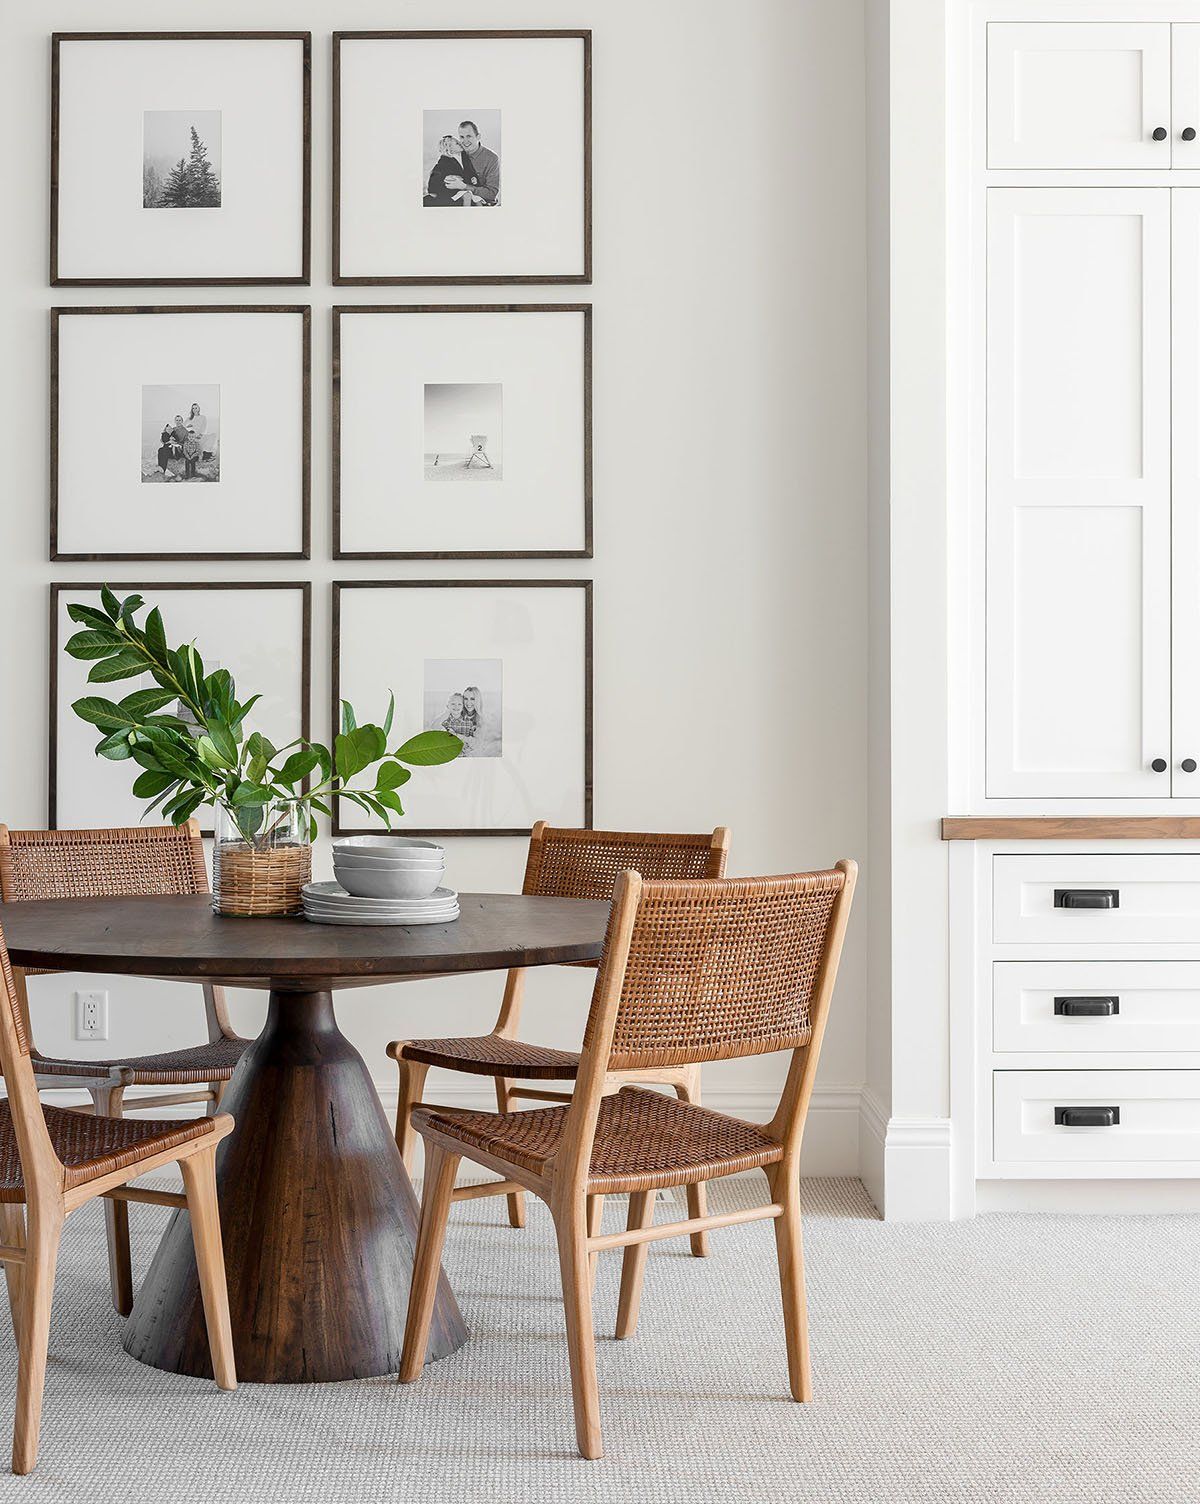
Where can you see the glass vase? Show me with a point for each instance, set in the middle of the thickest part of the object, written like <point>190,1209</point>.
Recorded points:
<point>262,857</point>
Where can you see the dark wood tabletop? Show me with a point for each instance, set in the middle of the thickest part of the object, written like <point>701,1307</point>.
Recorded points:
<point>166,937</point>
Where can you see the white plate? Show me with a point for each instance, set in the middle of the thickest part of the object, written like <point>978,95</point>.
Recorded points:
<point>388,845</point>
<point>322,918</point>
<point>400,914</point>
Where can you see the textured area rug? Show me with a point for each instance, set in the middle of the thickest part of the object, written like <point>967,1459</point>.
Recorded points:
<point>1006,1359</point>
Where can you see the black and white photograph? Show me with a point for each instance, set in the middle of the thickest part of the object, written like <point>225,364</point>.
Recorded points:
<point>496,121</point>
<point>465,696</point>
<point>463,438</point>
<point>181,433</point>
<point>181,159</point>
<point>461,159</point>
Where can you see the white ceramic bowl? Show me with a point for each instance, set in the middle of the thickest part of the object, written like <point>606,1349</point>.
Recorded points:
<point>387,863</point>
<point>388,846</point>
<point>392,883</point>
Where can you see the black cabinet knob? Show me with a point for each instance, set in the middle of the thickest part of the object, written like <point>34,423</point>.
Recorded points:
<point>1188,133</point>
<point>1159,764</point>
<point>1159,133</point>
<point>1188,765</point>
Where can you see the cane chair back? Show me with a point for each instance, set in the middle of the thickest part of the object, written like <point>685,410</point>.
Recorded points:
<point>43,1171</point>
<point>586,863</point>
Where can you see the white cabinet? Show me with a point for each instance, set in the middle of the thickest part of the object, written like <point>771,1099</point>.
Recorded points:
<point>1080,95</point>
<point>1185,96</point>
<point>1096,1118</point>
<point>1185,487</point>
<point>1079,492</point>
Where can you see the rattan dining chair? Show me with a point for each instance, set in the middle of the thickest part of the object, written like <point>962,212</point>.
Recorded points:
<point>152,859</point>
<point>52,1161</point>
<point>691,971</point>
<point>562,863</point>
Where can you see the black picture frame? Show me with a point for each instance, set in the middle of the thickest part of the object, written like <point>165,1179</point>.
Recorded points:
<point>340,586</point>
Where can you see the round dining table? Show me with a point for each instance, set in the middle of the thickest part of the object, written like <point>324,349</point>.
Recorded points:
<point>318,1215</point>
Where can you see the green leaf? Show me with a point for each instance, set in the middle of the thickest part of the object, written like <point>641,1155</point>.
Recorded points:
<point>390,776</point>
<point>147,785</point>
<point>208,753</point>
<point>102,713</point>
<point>129,605</point>
<point>357,749</point>
<point>391,710</point>
<point>390,800</point>
<point>88,616</point>
<point>110,603</point>
<point>94,644</point>
<point>299,765</point>
<point>348,721</point>
<point>251,793</point>
<point>257,744</point>
<point>145,757</point>
<point>156,637</point>
<point>115,747</point>
<point>144,701</point>
<point>222,740</point>
<point>428,749</point>
<point>128,664</point>
<point>320,804</point>
<point>180,810</point>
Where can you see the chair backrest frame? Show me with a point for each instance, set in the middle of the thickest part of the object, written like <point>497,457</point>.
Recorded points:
<point>680,855</point>
<point>177,866</point>
<point>42,1170</point>
<point>596,1067</point>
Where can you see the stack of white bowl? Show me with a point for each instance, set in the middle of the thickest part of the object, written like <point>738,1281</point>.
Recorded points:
<point>383,880</point>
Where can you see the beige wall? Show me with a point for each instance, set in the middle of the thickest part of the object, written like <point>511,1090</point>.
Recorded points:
<point>730,468</point>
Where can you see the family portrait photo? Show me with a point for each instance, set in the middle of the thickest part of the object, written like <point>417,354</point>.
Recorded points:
<point>463,438</point>
<point>461,157</point>
<point>181,159</point>
<point>464,696</point>
<point>181,433</point>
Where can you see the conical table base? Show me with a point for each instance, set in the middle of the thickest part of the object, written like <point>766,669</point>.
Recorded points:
<point>318,1216</point>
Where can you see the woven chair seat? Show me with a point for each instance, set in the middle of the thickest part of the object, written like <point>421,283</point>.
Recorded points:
<point>214,1061</point>
<point>644,1140</point>
<point>90,1146</point>
<point>494,1055</point>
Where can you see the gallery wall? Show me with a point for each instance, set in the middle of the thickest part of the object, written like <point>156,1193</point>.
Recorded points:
<point>729,475</point>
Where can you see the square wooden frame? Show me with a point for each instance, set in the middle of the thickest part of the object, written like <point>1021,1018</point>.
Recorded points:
<point>305,435</point>
<point>305,276</point>
<point>337,828</point>
<point>573,278</point>
<point>528,553</point>
<point>58,587</point>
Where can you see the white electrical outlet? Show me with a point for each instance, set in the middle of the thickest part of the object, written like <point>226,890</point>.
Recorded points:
<point>91,1015</point>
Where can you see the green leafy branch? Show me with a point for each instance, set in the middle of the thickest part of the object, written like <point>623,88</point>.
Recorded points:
<point>204,754</point>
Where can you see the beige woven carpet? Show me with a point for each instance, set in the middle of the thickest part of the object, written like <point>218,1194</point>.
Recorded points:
<point>1011,1358</point>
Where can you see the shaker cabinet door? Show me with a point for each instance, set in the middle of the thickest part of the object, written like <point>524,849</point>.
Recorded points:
<point>1079,493</point>
<point>1079,94</point>
<point>1185,488</point>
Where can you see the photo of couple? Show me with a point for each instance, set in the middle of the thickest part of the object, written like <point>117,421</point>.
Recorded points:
<point>461,159</point>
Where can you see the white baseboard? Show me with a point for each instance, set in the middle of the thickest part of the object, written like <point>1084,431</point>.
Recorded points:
<point>904,1163</point>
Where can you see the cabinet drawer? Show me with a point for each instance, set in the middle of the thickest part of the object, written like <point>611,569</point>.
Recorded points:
<point>1079,94</point>
<point>1099,1006</point>
<point>1057,900</point>
<point>1157,1116</point>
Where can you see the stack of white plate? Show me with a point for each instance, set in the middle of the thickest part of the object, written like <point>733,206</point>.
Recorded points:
<point>329,903</point>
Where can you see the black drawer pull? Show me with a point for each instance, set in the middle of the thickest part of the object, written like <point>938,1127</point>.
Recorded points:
<point>1087,1007</point>
<point>1087,1117</point>
<point>1087,898</point>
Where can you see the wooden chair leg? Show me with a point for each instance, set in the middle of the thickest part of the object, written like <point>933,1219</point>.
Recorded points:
<point>633,1263</point>
<point>441,1166</point>
<point>571,1228</point>
<point>697,1195</point>
<point>595,1225</point>
<point>412,1084</point>
<point>108,1104</point>
<point>12,1235</point>
<point>516,1199</point>
<point>200,1187</point>
<point>44,1232</point>
<point>790,1250</point>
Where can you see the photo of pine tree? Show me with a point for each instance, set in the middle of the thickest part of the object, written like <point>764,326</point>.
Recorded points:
<point>181,159</point>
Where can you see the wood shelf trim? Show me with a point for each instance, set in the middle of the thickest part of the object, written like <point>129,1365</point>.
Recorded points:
<point>1071,827</point>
